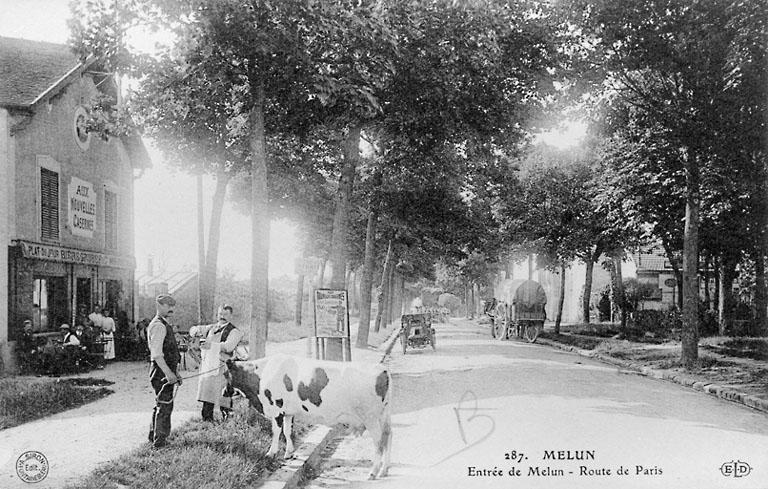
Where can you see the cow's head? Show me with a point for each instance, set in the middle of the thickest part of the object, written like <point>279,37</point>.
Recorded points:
<point>245,377</point>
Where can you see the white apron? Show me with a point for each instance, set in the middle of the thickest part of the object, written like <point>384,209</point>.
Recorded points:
<point>212,381</point>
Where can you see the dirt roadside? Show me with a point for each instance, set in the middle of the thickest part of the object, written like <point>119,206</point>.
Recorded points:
<point>720,371</point>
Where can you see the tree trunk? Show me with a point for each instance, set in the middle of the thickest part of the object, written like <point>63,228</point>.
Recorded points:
<point>561,300</point>
<point>366,282</point>
<point>587,289</point>
<point>341,215</point>
<point>202,317</point>
<point>391,296</point>
<point>299,303</point>
<point>352,290</point>
<point>208,297</point>
<point>690,333</point>
<point>383,288</point>
<point>761,306</point>
<point>472,300</point>
<point>259,229</point>
<point>299,308</point>
<point>707,296</point>
<point>321,278</point>
<point>390,293</point>
<point>727,301</point>
<point>716,301</point>
<point>618,293</point>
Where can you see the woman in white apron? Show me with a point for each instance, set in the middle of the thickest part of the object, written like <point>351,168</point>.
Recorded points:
<point>108,335</point>
<point>218,346</point>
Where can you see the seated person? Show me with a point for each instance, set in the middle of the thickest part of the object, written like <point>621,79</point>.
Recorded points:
<point>92,351</point>
<point>26,349</point>
<point>68,356</point>
<point>68,338</point>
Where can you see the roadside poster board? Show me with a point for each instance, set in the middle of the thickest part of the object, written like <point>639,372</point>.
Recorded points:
<point>331,313</point>
<point>331,310</point>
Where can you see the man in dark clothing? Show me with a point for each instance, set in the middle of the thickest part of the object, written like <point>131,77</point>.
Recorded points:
<point>26,349</point>
<point>165,357</point>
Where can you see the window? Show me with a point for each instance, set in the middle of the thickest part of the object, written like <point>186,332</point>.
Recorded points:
<point>40,305</point>
<point>110,220</point>
<point>49,205</point>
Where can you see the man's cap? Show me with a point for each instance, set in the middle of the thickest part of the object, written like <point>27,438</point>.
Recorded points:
<point>226,306</point>
<point>27,321</point>
<point>64,326</point>
<point>166,300</point>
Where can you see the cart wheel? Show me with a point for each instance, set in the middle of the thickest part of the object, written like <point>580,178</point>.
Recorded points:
<point>433,339</point>
<point>532,332</point>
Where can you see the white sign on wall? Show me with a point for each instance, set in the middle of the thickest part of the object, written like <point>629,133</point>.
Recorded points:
<point>82,208</point>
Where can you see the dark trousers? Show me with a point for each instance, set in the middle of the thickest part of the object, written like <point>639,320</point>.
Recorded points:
<point>160,427</point>
<point>207,411</point>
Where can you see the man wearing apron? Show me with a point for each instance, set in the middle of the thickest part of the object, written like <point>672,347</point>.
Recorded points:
<point>221,339</point>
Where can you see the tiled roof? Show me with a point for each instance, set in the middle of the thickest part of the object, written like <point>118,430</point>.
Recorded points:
<point>651,262</point>
<point>29,68</point>
<point>175,280</point>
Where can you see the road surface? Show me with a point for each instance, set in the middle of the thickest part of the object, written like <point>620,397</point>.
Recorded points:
<point>484,413</point>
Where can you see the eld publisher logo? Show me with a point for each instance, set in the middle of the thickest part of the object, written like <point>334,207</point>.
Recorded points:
<point>735,469</point>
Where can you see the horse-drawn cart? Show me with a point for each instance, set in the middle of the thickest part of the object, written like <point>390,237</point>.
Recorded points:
<point>525,316</point>
<point>416,331</point>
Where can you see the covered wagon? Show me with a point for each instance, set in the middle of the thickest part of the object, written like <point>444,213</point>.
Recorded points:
<point>522,313</point>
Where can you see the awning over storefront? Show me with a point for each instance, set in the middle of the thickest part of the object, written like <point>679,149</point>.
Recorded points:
<point>68,255</point>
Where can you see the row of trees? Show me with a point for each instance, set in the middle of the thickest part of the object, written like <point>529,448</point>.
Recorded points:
<point>676,92</point>
<point>279,95</point>
<point>279,98</point>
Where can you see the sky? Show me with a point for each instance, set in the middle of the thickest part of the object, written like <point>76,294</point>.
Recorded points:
<point>164,199</point>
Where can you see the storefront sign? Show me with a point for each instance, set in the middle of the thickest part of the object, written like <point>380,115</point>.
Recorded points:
<point>67,255</point>
<point>82,208</point>
<point>331,313</point>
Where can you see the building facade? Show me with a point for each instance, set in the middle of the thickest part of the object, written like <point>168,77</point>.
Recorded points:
<point>67,194</point>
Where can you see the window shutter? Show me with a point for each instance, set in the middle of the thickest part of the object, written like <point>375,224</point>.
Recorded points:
<point>49,205</point>
<point>110,220</point>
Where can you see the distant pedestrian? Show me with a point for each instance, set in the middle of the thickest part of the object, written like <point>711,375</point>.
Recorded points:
<point>164,353</point>
<point>108,334</point>
<point>221,340</point>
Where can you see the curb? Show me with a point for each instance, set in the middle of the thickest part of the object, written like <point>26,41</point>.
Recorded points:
<point>307,455</point>
<point>389,343</point>
<point>726,393</point>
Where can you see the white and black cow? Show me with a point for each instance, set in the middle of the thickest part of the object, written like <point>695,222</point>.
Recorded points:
<point>281,387</point>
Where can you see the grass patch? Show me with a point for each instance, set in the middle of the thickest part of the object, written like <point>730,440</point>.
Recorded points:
<point>754,348</point>
<point>659,358</point>
<point>24,399</point>
<point>576,340</point>
<point>199,454</point>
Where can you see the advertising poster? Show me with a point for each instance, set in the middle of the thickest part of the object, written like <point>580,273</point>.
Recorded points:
<point>331,313</point>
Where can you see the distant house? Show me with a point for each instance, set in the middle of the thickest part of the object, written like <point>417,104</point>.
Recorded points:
<point>182,285</point>
<point>654,268</point>
<point>66,194</point>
